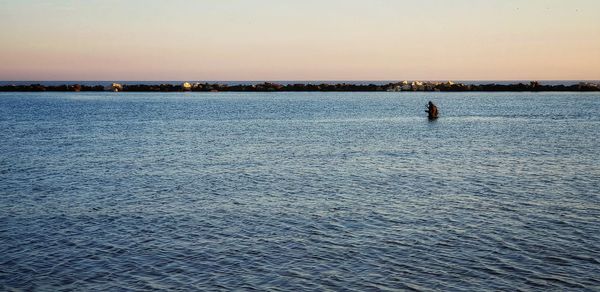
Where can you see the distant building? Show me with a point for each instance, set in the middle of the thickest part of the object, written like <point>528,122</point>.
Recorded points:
<point>186,86</point>
<point>116,87</point>
<point>75,87</point>
<point>417,86</point>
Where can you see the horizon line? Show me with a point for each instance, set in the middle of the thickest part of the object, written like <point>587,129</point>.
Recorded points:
<point>277,80</point>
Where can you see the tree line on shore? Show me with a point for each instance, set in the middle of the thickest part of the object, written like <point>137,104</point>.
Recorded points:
<point>275,87</point>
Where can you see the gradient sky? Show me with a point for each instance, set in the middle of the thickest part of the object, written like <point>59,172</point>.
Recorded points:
<point>299,40</point>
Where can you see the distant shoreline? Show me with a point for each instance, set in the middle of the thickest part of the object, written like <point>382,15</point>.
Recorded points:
<point>411,86</point>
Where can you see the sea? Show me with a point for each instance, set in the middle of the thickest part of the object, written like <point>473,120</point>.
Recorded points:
<point>297,191</point>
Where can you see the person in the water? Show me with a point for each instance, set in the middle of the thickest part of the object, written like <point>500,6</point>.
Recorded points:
<point>432,110</point>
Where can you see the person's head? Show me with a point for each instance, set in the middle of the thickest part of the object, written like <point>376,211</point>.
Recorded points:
<point>430,103</point>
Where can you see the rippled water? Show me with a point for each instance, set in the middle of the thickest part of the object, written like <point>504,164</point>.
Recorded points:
<point>299,191</point>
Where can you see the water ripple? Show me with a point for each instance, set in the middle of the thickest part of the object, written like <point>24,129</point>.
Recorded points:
<point>286,192</point>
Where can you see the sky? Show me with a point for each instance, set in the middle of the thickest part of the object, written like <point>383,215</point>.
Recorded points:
<point>299,40</point>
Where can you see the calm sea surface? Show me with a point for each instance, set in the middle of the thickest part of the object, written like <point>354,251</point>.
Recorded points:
<point>299,191</point>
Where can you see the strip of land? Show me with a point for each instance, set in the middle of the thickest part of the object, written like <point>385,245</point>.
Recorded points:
<point>275,87</point>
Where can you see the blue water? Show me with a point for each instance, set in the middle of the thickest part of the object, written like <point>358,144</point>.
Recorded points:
<point>299,191</point>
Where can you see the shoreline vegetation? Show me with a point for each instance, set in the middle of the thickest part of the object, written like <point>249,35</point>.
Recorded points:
<point>275,87</point>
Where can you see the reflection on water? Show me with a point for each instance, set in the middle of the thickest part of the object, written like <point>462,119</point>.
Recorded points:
<point>299,191</point>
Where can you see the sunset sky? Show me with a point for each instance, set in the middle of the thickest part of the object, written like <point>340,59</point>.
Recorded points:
<point>299,40</point>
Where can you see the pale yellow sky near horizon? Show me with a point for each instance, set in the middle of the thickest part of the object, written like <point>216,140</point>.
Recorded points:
<point>299,40</point>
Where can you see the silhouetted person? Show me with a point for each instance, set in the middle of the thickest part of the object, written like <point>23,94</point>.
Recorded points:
<point>432,110</point>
